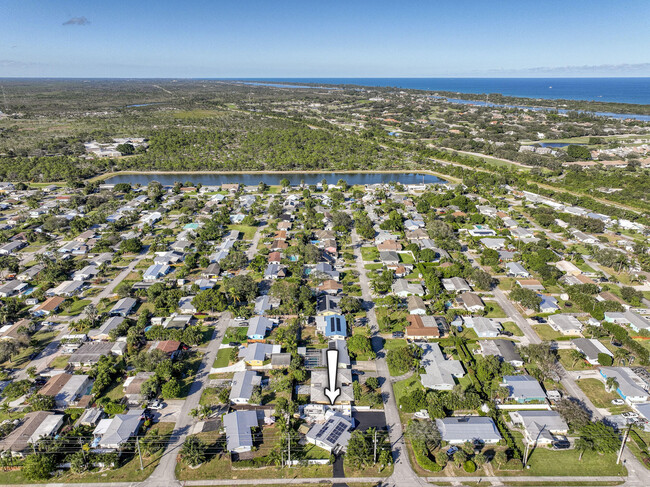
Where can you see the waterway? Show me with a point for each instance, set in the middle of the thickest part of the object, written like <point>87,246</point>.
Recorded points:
<point>295,178</point>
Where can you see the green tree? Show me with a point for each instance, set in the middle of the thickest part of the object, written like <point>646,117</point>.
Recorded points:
<point>171,389</point>
<point>193,451</point>
<point>38,466</point>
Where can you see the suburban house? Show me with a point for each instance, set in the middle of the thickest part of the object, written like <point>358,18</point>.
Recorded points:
<point>330,286</point>
<point>50,305</point>
<point>123,307</point>
<point>404,288</point>
<point>238,426</point>
<point>133,387</point>
<point>565,324</point>
<point>515,269</point>
<point>242,386</point>
<point>591,348</point>
<point>456,284</point>
<point>424,327</point>
<point>524,388</point>
<point>332,326</point>
<point>532,284</point>
<point>484,327</point>
<point>474,429</point>
<point>90,353</point>
<point>440,373</point>
<point>257,352</point>
<point>103,332</point>
<point>155,272</point>
<point>332,435</point>
<point>328,305</point>
<point>112,434</point>
<point>471,302</point>
<point>540,427</point>
<point>629,387</point>
<point>34,426</point>
<point>67,388</point>
<point>258,326</point>
<point>416,305</point>
<point>634,320</point>
<point>320,381</point>
<point>548,304</point>
<point>503,349</point>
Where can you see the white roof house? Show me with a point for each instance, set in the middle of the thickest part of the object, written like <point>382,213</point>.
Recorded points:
<point>439,372</point>
<point>591,348</point>
<point>243,383</point>
<point>238,426</point>
<point>629,384</point>
<point>565,324</point>
<point>540,426</point>
<point>475,429</point>
<point>484,327</point>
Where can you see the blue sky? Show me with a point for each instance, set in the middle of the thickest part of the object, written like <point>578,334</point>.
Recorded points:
<point>353,38</point>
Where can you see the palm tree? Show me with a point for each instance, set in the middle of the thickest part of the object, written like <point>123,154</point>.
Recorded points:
<point>611,383</point>
<point>582,445</point>
<point>620,355</point>
<point>576,356</point>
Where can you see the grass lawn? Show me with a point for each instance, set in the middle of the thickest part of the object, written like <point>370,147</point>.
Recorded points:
<point>209,397</point>
<point>506,283</point>
<point>191,364</point>
<point>512,327</point>
<point>406,258</point>
<point>369,254</point>
<point>493,310</point>
<point>405,387</point>
<point>567,361</point>
<point>544,461</point>
<point>545,332</point>
<point>393,343</point>
<point>223,358</point>
<point>595,391</point>
<point>60,362</point>
<point>373,267</point>
<point>247,230</point>
<point>235,334</point>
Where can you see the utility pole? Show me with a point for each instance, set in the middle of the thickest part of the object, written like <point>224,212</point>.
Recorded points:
<point>375,447</point>
<point>137,442</point>
<point>620,452</point>
<point>526,454</point>
<point>289,446</point>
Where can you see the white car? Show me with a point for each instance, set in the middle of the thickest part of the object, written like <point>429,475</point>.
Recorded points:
<point>240,318</point>
<point>630,415</point>
<point>618,402</point>
<point>155,405</point>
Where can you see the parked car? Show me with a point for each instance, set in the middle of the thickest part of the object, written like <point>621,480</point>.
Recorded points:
<point>240,318</point>
<point>398,334</point>
<point>618,402</point>
<point>156,405</point>
<point>562,444</point>
<point>630,415</point>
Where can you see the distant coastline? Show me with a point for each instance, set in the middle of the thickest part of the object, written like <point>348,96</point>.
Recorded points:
<point>632,91</point>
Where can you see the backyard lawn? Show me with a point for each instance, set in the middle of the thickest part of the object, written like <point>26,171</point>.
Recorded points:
<point>595,391</point>
<point>545,332</point>
<point>223,358</point>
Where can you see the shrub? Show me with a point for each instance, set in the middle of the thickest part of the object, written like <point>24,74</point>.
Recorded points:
<point>469,466</point>
<point>605,359</point>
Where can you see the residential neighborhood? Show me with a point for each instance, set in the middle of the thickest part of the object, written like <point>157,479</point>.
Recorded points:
<point>473,334</point>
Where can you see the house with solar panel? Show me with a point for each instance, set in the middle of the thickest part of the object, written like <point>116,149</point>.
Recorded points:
<point>332,435</point>
<point>332,326</point>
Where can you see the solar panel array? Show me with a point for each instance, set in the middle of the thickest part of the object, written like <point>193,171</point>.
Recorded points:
<point>334,435</point>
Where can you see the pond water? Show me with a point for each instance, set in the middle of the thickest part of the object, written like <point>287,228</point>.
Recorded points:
<point>555,145</point>
<point>294,178</point>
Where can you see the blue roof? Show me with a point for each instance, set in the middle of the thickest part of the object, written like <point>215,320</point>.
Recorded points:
<point>335,325</point>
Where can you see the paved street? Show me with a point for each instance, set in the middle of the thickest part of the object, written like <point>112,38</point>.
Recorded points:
<point>403,474</point>
<point>165,472</point>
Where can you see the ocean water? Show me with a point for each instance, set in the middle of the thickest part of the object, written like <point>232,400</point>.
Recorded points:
<point>617,90</point>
